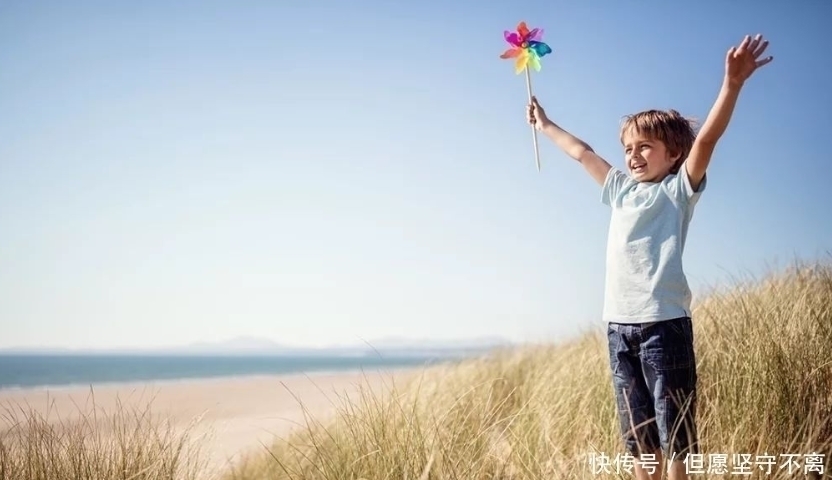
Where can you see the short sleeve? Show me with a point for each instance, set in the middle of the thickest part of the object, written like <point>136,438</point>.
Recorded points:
<point>613,184</point>
<point>682,189</point>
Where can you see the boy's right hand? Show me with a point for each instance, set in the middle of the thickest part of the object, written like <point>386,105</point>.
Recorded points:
<point>535,115</point>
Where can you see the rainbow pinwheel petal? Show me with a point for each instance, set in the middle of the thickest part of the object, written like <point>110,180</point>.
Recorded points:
<point>540,48</point>
<point>522,61</point>
<point>526,47</point>
<point>535,35</point>
<point>522,29</point>
<point>511,53</point>
<point>513,38</point>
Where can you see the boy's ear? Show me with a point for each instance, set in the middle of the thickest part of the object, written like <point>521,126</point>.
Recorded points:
<point>675,156</point>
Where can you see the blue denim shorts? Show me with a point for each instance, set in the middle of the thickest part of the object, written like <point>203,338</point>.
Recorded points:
<point>654,376</point>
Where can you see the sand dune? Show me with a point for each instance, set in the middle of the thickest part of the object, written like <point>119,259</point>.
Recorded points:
<point>232,415</point>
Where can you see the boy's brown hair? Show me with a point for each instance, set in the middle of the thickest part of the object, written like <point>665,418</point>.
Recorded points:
<point>669,127</point>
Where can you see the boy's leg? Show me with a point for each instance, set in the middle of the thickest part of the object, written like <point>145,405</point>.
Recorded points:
<point>669,365</point>
<point>633,397</point>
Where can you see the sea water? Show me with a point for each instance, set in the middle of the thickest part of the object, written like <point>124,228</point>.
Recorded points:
<point>31,370</point>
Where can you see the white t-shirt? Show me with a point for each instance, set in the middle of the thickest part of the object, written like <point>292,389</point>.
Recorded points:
<point>645,281</point>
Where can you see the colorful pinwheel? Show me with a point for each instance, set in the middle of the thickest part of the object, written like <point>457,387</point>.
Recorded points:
<point>528,48</point>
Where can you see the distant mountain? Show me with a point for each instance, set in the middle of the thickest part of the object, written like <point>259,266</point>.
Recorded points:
<point>391,346</point>
<point>405,343</point>
<point>36,350</point>
<point>241,344</point>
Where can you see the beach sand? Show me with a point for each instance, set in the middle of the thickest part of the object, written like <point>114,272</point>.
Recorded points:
<point>233,415</point>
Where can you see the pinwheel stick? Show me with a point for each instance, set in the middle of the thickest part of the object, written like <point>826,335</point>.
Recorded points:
<point>534,129</point>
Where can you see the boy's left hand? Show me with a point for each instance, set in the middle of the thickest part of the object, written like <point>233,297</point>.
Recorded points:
<point>742,61</point>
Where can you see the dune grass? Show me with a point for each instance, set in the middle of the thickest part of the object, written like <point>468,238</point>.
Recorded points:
<point>764,350</point>
<point>125,444</point>
<point>764,353</point>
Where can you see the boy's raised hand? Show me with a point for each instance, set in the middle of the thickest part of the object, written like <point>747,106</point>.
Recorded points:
<point>742,61</point>
<point>535,115</point>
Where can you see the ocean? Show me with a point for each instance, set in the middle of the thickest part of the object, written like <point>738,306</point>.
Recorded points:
<point>30,370</point>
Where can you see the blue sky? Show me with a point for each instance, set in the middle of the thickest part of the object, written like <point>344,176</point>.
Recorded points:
<point>318,173</point>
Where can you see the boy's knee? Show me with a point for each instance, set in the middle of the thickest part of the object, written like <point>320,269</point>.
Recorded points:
<point>638,426</point>
<point>676,422</point>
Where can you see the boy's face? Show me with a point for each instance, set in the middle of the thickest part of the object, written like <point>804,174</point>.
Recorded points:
<point>648,159</point>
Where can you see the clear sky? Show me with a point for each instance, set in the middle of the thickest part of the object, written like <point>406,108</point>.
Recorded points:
<point>329,171</point>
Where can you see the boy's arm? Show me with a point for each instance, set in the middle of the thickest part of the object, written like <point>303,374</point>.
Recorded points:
<point>740,63</point>
<point>576,148</point>
<point>713,128</point>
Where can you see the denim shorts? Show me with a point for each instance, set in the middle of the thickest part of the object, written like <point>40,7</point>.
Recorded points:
<point>654,376</point>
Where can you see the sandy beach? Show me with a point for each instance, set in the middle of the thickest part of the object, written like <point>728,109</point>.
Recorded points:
<point>232,415</point>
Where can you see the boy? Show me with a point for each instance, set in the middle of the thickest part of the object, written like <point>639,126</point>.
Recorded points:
<point>647,298</point>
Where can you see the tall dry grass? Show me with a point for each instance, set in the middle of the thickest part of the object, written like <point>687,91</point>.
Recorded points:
<point>765,380</point>
<point>94,444</point>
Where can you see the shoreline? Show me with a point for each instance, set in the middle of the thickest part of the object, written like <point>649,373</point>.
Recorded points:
<point>62,387</point>
<point>226,417</point>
